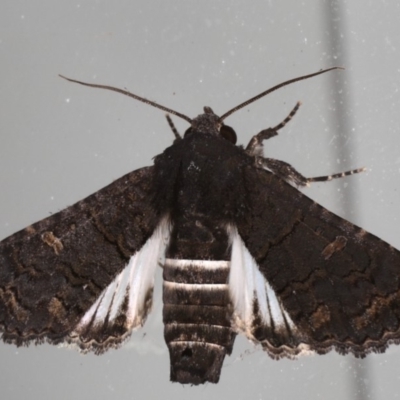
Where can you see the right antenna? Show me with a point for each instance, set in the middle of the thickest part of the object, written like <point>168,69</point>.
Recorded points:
<point>300,78</point>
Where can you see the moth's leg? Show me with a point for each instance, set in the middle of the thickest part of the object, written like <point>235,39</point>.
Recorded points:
<point>172,126</point>
<point>290,174</point>
<point>255,145</point>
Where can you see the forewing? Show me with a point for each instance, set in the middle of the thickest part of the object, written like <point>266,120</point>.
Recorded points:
<point>53,273</point>
<point>338,284</point>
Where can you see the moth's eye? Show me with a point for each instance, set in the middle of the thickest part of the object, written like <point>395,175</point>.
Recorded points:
<point>228,133</point>
<point>188,130</point>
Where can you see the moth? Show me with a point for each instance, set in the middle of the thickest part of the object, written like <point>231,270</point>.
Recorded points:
<point>242,251</point>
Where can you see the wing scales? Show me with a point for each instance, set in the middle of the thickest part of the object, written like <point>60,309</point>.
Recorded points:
<point>339,284</point>
<point>258,311</point>
<point>54,271</point>
<point>125,303</point>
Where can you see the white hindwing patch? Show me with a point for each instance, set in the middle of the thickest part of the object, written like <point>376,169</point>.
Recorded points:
<point>247,285</point>
<point>132,286</point>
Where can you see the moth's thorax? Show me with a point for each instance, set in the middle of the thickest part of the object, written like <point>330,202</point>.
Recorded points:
<point>207,122</point>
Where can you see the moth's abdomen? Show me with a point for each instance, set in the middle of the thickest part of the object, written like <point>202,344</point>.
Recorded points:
<point>197,318</point>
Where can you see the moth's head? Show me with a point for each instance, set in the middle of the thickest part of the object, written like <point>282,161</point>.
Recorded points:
<point>211,123</point>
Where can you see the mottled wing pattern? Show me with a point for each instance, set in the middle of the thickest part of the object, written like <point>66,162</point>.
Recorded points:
<point>53,272</point>
<point>333,284</point>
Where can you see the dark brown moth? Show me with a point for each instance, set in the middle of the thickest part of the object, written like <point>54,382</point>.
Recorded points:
<point>242,251</point>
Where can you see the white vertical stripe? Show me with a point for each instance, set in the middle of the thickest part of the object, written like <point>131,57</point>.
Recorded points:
<point>135,281</point>
<point>247,284</point>
<point>142,270</point>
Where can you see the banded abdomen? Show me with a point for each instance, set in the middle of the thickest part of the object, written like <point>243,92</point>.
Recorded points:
<point>197,306</point>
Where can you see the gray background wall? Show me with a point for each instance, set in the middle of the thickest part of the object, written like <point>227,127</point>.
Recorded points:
<point>60,142</point>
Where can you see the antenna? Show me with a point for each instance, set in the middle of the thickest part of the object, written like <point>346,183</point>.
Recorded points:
<point>126,93</point>
<point>253,99</point>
